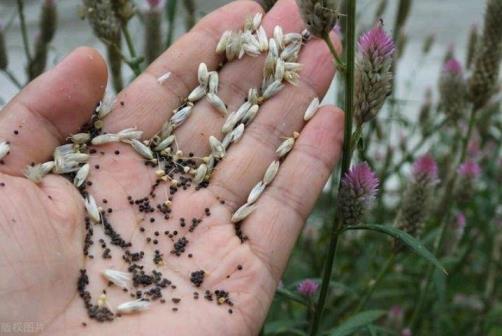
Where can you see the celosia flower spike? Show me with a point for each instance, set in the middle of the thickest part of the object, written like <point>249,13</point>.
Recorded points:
<point>373,73</point>
<point>319,16</point>
<point>359,187</point>
<point>307,287</point>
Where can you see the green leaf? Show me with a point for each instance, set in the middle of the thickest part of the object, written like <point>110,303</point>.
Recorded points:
<point>284,326</point>
<point>357,322</point>
<point>405,238</point>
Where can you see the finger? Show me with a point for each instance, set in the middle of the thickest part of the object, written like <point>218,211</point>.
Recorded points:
<point>50,108</point>
<point>146,104</point>
<point>247,160</point>
<point>287,202</point>
<point>236,78</point>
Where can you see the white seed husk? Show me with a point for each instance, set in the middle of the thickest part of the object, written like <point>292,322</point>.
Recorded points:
<point>252,96</point>
<point>197,93</point>
<point>202,74</point>
<point>200,173</point>
<point>92,209</point>
<point>271,172</point>
<point>229,123</point>
<point>166,130</point>
<point>272,89</point>
<point>223,42</point>
<point>118,278</point>
<point>279,36</point>
<point>290,53</point>
<point>161,80</point>
<point>181,115</point>
<point>292,37</point>
<point>80,138</point>
<point>165,143</point>
<point>213,82</point>
<point>129,134</point>
<point>105,106</point>
<point>133,306</point>
<point>142,149</point>
<point>241,112</point>
<point>105,138</point>
<point>37,172</point>
<point>311,109</point>
<point>257,20</point>
<point>217,103</point>
<point>4,149</point>
<point>237,133</point>
<point>262,39</point>
<point>279,70</point>
<point>256,192</point>
<point>77,157</point>
<point>242,213</point>
<point>293,66</point>
<point>81,175</point>
<point>273,49</point>
<point>250,114</point>
<point>217,149</point>
<point>285,147</point>
<point>292,77</point>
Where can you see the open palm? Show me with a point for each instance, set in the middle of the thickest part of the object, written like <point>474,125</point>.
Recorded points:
<point>42,227</point>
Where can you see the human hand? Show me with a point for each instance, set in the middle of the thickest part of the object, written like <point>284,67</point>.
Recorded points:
<point>42,225</point>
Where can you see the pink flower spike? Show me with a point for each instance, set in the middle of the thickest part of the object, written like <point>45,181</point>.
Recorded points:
<point>362,182</point>
<point>153,3</point>
<point>376,43</point>
<point>307,287</point>
<point>469,169</point>
<point>425,168</point>
<point>406,332</point>
<point>460,221</point>
<point>453,67</point>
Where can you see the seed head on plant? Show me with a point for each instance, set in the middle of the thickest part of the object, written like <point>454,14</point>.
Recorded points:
<point>453,89</point>
<point>486,64</point>
<point>308,287</point>
<point>358,189</point>
<point>469,170</point>
<point>319,16</point>
<point>373,73</point>
<point>414,208</point>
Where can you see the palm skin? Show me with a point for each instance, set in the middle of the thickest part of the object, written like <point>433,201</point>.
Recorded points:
<point>42,225</point>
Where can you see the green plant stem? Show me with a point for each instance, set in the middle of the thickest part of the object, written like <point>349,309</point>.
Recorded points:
<point>346,157</point>
<point>339,64</point>
<point>24,32</point>
<point>13,78</point>
<point>442,215</point>
<point>170,14</point>
<point>371,288</point>
<point>326,278</point>
<point>132,51</point>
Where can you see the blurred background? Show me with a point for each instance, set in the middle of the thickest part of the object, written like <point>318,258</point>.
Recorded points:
<point>449,21</point>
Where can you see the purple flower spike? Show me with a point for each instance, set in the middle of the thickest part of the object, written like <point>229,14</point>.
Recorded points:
<point>453,67</point>
<point>358,190</point>
<point>153,3</point>
<point>307,287</point>
<point>469,169</point>
<point>425,168</point>
<point>362,182</point>
<point>373,73</point>
<point>376,43</point>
